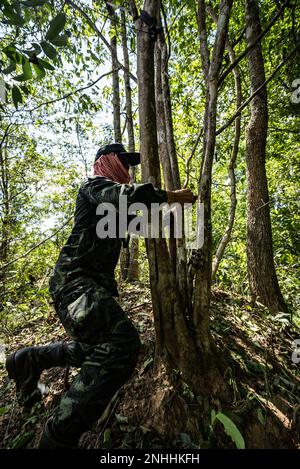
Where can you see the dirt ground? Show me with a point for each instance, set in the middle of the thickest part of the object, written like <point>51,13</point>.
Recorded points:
<point>264,379</point>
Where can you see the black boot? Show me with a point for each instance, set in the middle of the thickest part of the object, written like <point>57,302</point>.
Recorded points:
<point>51,440</point>
<point>26,365</point>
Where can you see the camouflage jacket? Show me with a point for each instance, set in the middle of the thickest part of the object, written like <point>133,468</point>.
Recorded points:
<point>85,254</point>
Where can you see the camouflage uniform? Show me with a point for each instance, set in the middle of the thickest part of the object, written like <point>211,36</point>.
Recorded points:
<point>105,343</point>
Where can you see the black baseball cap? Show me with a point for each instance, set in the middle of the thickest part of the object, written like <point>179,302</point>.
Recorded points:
<point>128,158</point>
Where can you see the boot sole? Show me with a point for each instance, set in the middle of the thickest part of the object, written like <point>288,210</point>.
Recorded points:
<point>10,366</point>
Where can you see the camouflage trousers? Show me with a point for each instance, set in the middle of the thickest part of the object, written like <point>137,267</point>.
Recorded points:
<point>105,346</point>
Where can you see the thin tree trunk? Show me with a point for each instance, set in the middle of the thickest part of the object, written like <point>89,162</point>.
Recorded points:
<point>168,156</point>
<point>168,112</point>
<point>161,121</point>
<point>115,75</point>
<point>201,264</point>
<point>5,215</point>
<point>231,167</point>
<point>162,138</point>
<point>124,257</point>
<point>131,253</point>
<point>128,97</point>
<point>262,276</point>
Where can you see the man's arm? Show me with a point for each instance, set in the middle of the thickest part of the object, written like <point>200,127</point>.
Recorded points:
<point>100,190</point>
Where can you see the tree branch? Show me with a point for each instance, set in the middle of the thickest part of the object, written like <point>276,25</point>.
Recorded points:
<point>133,9</point>
<point>204,51</point>
<point>98,32</point>
<point>5,135</point>
<point>245,104</point>
<point>36,245</point>
<point>65,96</point>
<point>258,39</point>
<point>187,163</point>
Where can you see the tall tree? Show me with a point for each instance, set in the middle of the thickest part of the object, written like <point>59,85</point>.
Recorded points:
<point>182,325</point>
<point>130,254</point>
<point>234,153</point>
<point>5,208</point>
<point>260,260</point>
<point>115,74</point>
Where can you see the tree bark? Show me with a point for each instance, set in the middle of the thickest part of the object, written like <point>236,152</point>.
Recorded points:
<point>5,211</point>
<point>161,120</point>
<point>262,276</point>
<point>115,75</point>
<point>130,269</point>
<point>163,133</point>
<point>231,166</point>
<point>177,341</point>
<point>201,262</point>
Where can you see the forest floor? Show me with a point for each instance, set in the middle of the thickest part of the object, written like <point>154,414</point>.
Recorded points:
<point>265,382</point>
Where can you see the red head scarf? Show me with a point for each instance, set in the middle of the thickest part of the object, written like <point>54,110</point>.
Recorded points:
<point>110,166</point>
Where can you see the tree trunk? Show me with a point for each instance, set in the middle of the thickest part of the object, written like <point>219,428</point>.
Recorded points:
<point>163,136</point>
<point>124,257</point>
<point>260,261</point>
<point>5,211</point>
<point>130,254</point>
<point>231,166</point>
<point>201,262</point>
<point>115,75</point>
<point>181,343</point>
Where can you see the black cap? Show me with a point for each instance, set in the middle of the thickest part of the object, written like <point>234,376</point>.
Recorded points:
<point>127,158</point>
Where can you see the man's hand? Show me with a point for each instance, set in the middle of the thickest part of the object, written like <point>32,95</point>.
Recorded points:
<point>182,196</point>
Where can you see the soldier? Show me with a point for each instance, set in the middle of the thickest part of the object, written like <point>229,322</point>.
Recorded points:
<point>105,344</point>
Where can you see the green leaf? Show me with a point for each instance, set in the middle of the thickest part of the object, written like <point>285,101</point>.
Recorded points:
<point>22,440</point>
<point>46,64</point>
<point>40,72</point>
<point>36,47</point>
<point>14,17</point>
<point>261,417</point>
<point>132,43</point>
<point>56,26</point>
<point>25,90</point>
<point>60,41</point>
<point>34,3</point>
<point>94,57</point>
<point>16,96</point>
<point>12,54</point>
<point>11,68</point>
<point>20,77</point>
<point>3,410</point>
<point>185,438</point>
<point>116,3</point>
<point>231,430</point>
<point>49,50</point>
<point>107,438</point>
<point>27,72</point>
<point>121,418</point>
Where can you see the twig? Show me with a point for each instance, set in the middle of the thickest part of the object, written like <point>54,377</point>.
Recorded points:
<point>65,96</point>
<point>138,306</point>
<point>97,31</point>
<point>10,419</point>
<point>257,40</point>
<point>187,163</point>
<point>245,104</point>
<point>36,245</point>
<point>5,134</point>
